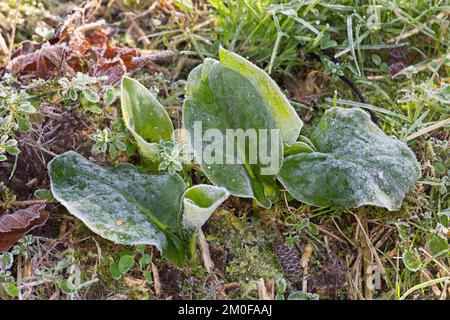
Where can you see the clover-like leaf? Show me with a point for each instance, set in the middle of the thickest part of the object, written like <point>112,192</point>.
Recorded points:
<point>121,204</point>
<point>218,100</point>
<point>355,164</point>
<point>145,118</point>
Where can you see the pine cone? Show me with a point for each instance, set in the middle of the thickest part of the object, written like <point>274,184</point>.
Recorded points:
<point>289,260</point>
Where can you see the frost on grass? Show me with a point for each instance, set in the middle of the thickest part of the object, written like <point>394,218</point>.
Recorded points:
<point>355,164</point>
<point>121,204</point>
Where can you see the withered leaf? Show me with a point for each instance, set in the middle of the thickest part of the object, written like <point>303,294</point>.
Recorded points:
<point>88,52</point>
<point>15,225</point>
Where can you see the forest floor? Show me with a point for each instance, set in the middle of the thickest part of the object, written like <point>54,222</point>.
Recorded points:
<point>390,57</point>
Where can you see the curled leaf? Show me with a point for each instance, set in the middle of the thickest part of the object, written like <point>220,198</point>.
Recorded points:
<point>74,49</point>
<point>145,118</point>
<point>199,202</point>
<point>15,225</point>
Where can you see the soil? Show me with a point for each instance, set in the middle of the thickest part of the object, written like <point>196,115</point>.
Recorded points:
<point>170,278</point>
<point>61,130</point>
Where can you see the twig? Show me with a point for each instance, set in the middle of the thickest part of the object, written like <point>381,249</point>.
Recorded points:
<point>367,258</point>
<point>425,130</point>
<point>3,45</point>
<point>13,32</point>
<point>206,257</point>
<point>91,26</point>
<point>28,202</point>
<point>434,288</point>
<point>156,282</point>
<point>444,291</point>
<point>304,261</point>
<point>262,290</point>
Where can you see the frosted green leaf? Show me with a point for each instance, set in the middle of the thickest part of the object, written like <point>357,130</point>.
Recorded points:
<point>355,164</point>
<point>285,116</point>
<point>199,202</point>
<point>91,95</point>
<point>121,204</point>
<point>220,99</point>
<point>145,118</point>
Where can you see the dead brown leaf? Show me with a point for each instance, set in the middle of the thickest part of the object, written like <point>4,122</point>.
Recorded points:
<point>75,48</point>
<point>15,225</point>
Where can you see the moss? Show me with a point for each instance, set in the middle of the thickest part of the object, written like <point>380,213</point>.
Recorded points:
<point>249,246</point>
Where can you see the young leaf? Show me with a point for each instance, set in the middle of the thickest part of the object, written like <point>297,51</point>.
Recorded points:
<point>11,289</point>
<point>145,118</point>
<point>411,260</point>
<point>200,201</point>
<point>114,270</point>
<point>355,164</point>
<point>285,116</point>
<point>126,263</point>
<point>121,204</point>
<point>222,99</point>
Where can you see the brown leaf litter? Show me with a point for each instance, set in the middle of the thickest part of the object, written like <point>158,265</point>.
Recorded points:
<point>79,47</point>
<point>15,225</point>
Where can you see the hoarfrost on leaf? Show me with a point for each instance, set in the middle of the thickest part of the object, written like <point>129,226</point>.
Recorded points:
<point>355,164</point>
<point>223,100</point>
<point>147,206</point>
<point>132,208</point>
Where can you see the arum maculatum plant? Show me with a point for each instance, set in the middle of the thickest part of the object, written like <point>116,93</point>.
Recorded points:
<point>347,162</point>
<point>127,206</point>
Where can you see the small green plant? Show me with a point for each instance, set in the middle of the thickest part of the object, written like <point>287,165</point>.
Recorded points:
<point>22,250</point>
<point>114,141</point>
<point>348,161</point>
<point>332,68</point>
<point>118,268</point>
<point>173,155</point>
<point>127,261</point>
<point>83,88</point>
<point>15,112</point>
<point>108,141</point>
<point>9,146</point>
<point>6,279</point>
<point>24,247</point>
